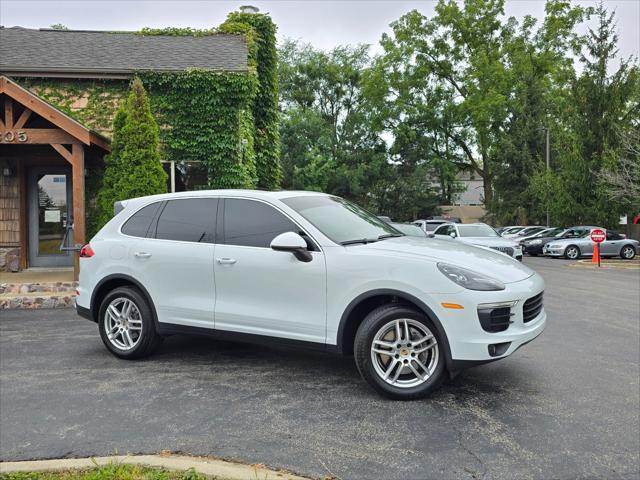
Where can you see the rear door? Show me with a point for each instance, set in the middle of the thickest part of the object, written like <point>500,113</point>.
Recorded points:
<point>259,290</point>
<point>175,261</point>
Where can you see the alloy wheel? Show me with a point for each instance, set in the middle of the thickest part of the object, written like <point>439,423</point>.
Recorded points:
<point>628,253</point>
<point>572,253</point>
<point>123,323</point>
<point>404,353</point>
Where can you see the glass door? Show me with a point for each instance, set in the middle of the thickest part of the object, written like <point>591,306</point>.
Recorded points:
<point>50,207</point>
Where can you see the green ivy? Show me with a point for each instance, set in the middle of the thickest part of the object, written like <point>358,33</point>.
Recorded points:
<point>265,104</point>
<point>205,116</point>
<point>93,103</point>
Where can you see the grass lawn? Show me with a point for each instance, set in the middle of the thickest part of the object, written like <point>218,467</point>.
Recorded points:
<point>110,472</point>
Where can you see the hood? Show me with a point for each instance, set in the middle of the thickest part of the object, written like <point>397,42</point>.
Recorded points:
<point>494,264</point>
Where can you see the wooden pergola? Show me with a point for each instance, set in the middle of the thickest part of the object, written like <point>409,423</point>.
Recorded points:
<point>68,137</point>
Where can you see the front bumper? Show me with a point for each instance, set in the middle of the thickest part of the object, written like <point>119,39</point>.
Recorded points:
<point>532,249</point>
<point>553,251</point>
<point>470,343</point>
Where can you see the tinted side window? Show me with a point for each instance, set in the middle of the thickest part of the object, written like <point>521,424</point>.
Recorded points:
<point>441,231</point>
<point>188,220</point>
<point>253,224</point>
<point>614,236</point>
<point>138,224</point>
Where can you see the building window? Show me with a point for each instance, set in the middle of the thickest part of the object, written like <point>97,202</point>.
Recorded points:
<point>185,176</point>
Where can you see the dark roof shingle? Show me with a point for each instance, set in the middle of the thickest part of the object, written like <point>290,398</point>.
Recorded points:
<point>100,54</point>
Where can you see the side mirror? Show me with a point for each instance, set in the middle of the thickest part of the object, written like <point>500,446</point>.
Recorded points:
<point>294,243</point>
<point>431,234</point>
<point>453,235</point>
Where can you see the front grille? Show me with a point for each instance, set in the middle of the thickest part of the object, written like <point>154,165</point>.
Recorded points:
<point>532,308</point>
<point>494,319</point>
<point>507,250</point>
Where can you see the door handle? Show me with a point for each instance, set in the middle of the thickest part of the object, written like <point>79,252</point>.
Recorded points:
<point>226,261</point>
<point>142,254</point>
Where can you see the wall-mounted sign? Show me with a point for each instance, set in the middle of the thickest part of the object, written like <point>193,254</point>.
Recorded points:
<point>51,216</point>
<point>13,136</point>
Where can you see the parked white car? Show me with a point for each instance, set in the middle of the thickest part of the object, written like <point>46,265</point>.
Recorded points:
<point>480,234</point>
<point>308,269</point>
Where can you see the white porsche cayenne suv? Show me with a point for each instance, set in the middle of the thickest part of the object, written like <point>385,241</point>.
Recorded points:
<point>307,269</point>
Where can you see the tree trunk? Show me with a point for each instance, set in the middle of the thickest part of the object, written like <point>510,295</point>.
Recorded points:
<point>488,189</point>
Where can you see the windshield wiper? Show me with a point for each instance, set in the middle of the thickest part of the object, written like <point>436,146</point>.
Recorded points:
<point>390,235</point>
<point>361,240</point>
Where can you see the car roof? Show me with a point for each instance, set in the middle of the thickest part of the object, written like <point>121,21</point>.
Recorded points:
<point>259,194</point>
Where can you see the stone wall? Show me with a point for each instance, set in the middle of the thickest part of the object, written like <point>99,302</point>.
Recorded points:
<point>9,259</point>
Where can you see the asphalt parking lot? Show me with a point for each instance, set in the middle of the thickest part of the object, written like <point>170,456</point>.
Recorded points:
<point>565,406</point>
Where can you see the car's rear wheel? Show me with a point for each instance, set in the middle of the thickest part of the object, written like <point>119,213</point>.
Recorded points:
<point>399,353</point>
<point>628,252</point>
<point>571,252</point>
<point>126,324</point>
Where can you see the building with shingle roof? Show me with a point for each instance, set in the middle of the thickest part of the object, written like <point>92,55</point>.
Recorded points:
<point>59,92</point>
<point>98,54</point>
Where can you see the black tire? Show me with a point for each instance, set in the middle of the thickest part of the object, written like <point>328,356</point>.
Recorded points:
<point>628,252</point>
<point>375,321</point>
<point>149,338</point>
<point>569,255</point>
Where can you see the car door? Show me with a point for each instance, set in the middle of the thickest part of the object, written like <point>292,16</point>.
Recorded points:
<point>262,291</point>
<point>175,262</point>
<point>612,245</point>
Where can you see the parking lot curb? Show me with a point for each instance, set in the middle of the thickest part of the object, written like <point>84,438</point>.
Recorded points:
<point>206,466</point>
<point>607,265</point>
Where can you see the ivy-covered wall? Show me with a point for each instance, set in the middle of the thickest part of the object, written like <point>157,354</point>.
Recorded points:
<point>206,116</point>
<point>92,102</point>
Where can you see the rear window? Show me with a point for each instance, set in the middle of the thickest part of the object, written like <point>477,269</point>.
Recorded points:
<point>138,225</point>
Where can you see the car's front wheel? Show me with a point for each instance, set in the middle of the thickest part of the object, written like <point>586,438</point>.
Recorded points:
<point>628,252</point>
<point>399,353</point>
<point>126,324</point>
<point>572,252</point>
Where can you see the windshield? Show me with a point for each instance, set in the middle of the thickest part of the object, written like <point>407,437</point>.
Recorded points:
<point>476,231</point>
<point>530,231</point>
<point>511,230</point>
<point>340,220</point>
<point>549,232</point>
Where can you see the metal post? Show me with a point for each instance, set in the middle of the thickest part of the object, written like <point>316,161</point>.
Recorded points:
<point>546,129</point>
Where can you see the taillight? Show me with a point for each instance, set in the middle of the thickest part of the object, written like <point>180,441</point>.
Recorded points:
<point>86,251</point>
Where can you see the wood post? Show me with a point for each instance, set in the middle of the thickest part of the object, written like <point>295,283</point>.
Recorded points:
<point>8,113</point>
<point>77,154</point>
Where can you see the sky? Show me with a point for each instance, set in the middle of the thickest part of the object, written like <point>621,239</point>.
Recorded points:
<point>324,24</point>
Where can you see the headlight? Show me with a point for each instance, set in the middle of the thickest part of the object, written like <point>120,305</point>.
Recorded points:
<point>469,279</point>
<point>535,242</point>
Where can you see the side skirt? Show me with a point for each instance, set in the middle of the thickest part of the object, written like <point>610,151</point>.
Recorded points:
<point>168,329</point>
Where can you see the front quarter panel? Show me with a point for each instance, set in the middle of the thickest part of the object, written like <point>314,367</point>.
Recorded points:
<point>352,273</point>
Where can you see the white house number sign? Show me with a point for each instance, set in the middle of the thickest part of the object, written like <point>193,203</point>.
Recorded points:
<point>13,136</point>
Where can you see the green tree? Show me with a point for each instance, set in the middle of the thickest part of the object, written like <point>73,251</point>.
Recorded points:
<point>600,113</point>
<point>329,142</point>
<point>133,167</point>
<point>473,91</point>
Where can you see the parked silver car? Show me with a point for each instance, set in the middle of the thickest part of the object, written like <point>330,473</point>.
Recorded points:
<point>616,245</point>
<point>480,234</point>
